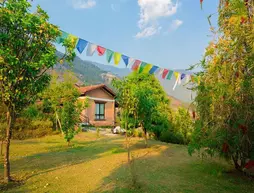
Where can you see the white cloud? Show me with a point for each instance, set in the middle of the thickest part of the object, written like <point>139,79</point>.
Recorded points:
<point>83,4</point>
<point>152,10</point>
<point>148,31</point>
<point>175,24</point>
<point>150,13</point>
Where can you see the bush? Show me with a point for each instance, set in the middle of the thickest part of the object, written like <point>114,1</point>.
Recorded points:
<point>181,129</point>
<point>33,112</point>
<point>171,137</point>
<point>25,129</point>
<point>137,133</point>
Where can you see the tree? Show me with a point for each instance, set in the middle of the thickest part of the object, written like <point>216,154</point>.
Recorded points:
<point>183,125</point>
<point>127,104</point>
<point>141,97</point>
<point>26,53</point>
<point>225,94</point>
<point>62,96</point>
<point>144,103</point>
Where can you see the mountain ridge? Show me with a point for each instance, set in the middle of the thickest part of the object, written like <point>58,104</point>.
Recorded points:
<point>89,72</point>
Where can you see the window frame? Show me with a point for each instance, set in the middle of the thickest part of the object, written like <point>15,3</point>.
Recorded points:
<point>101,116</point>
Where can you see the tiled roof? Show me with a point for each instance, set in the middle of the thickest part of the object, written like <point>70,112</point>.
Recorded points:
<point>84,89</point>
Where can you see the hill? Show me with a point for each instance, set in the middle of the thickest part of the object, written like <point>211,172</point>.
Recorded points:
<point>89,72</point>
<point>85,71</point>
<point>181,93</point>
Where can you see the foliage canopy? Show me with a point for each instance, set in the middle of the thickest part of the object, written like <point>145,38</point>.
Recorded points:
<point>27,51</point>
<point>143,103</point>
<point>225,95</point>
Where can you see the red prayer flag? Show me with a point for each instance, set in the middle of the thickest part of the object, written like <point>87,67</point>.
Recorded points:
<point>164,73</point>
<point>201,3</point>
<point>101,50</point>
<point>136,64</point>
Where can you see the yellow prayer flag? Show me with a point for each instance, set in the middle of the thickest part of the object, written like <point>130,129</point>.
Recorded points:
<point>147,68</point>
<point>117,58</point>
<point>176,74</point>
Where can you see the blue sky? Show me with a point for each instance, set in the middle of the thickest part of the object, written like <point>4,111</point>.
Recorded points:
<point>168,33</point>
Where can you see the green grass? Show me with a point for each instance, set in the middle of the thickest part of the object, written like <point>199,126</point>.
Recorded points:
<point>100,165</point>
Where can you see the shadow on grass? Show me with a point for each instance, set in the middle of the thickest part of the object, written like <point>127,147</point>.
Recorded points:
<point>173,170</point>
<point>57,157</point>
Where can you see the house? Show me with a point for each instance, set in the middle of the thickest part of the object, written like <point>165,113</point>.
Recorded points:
<point>101,110</point>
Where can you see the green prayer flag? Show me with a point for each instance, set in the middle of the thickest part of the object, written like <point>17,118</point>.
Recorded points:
<point>60,39</point>
<point>109,55</point>
<point>142,66</point>
<point>170,74</point>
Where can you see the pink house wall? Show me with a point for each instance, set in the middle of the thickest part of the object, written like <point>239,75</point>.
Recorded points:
<point>109,108</point>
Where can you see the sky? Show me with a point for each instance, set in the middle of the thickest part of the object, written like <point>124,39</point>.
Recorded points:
<point>172,34</point>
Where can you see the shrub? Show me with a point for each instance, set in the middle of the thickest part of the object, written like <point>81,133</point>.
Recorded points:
<point>171,137</point>
<point>137,133</point>
<point>33,112</point>
<point>183,125</point>
<point>181,129</point>
<point>25,129</point>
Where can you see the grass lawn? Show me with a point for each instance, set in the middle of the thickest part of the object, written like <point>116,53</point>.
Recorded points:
<point>99,165</point>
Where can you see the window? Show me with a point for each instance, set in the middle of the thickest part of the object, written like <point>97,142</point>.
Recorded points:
<point>100,111</point>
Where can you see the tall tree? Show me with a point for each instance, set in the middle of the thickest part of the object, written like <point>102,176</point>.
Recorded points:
<point>225,95</point>
<point>62,97</point>
<point>26,52</point>
<point>149,104</point>
<point>127,104</point>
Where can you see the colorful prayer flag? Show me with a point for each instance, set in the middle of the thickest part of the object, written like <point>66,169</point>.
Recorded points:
<point>187,78</point>
<point>147,68</point>
<point>136,64</point>
<point>126,60</point>
<point>176,74</point>
<point>159,72</point>
<point>117,57</point>
<point>131,60</point>
<point>170,74</point>
<point>91,49</point>
<point>101,50</point>
<point>109,55</point>
<point>60,39</point>
<point>81,45</point>
<point>142,66</point>
<point>164,74</point>
<point>177,79</point>
<point>153,69</point>
<point>183,76</point>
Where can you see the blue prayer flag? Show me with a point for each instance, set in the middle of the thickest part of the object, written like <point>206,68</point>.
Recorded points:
<point>153,69</point>
<point>126,60</point>
<point>182,76</point>
<point>81,45</point>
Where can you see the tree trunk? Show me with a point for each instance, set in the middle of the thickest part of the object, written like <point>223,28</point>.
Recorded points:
<point>145,136</point>
<point>59,122</point>
<point>127,141</point>
<point>2,144</point>
<point>235,160</point>
<point>10,120</point>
